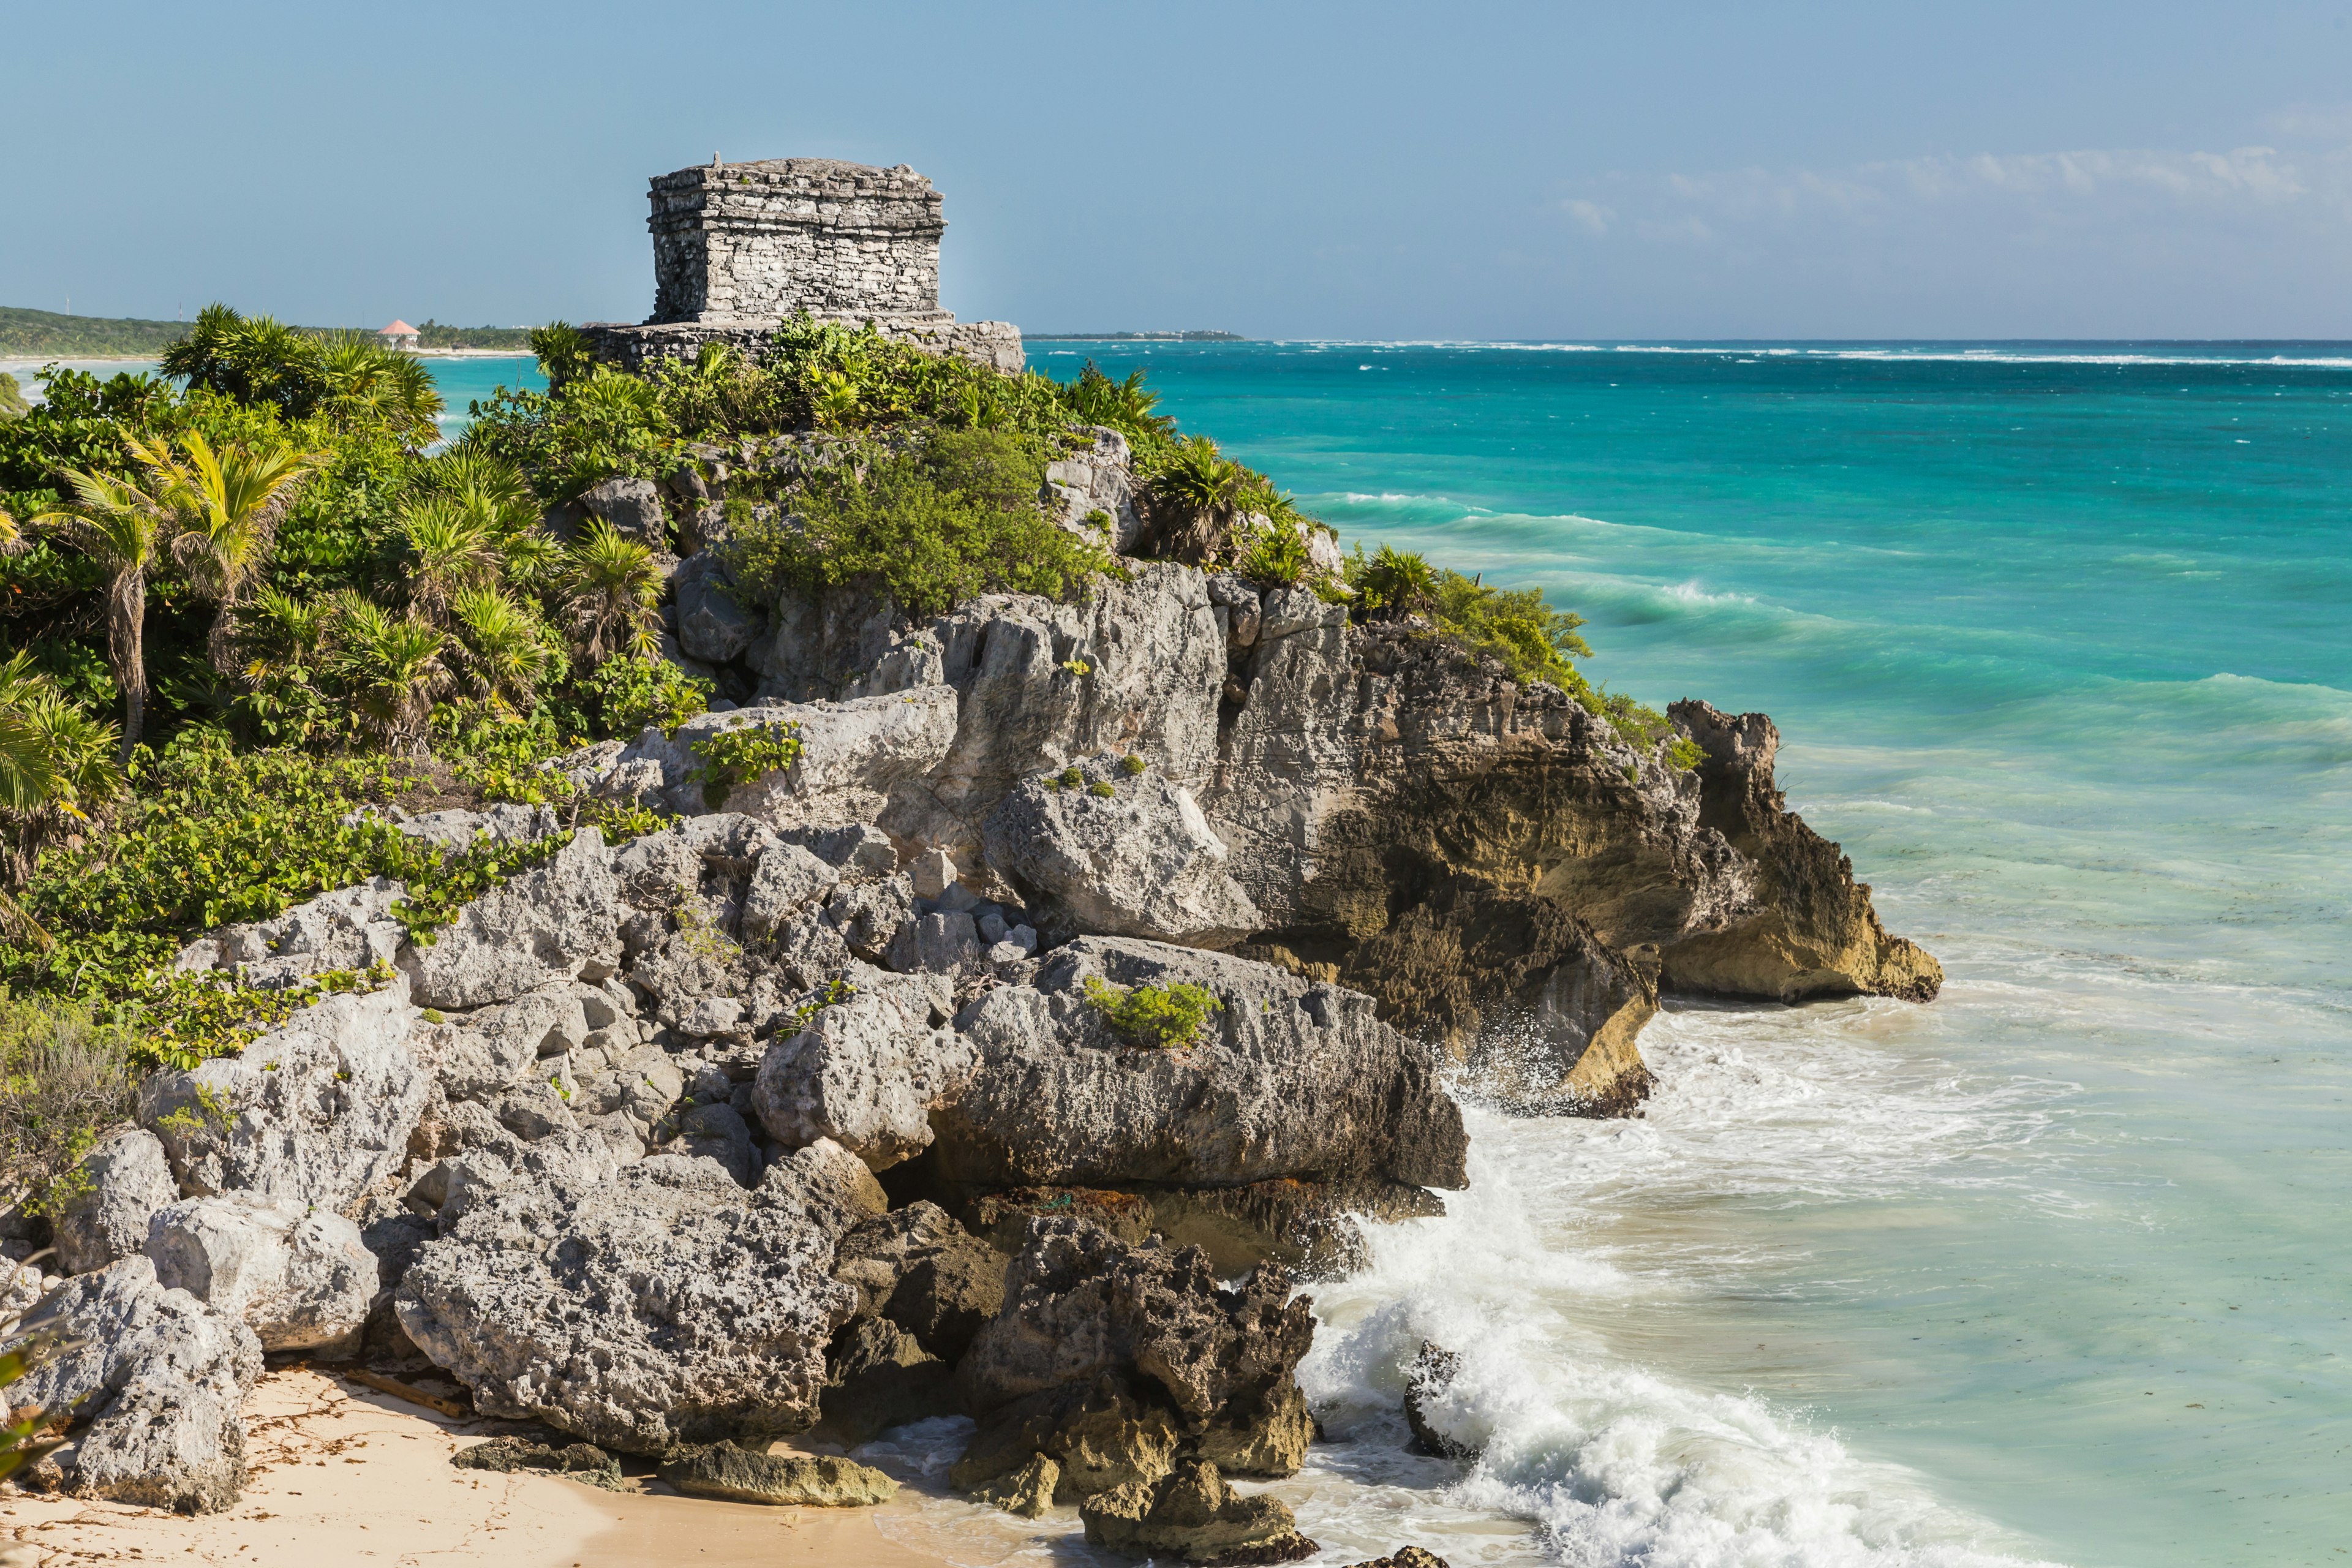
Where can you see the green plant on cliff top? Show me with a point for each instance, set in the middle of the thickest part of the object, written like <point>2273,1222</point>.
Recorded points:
<point>737,757</point>
<point>1157,1015</point>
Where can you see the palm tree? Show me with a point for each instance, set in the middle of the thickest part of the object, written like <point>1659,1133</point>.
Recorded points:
<point>1195,494</point>
<point>394,666</point>
<point>481,478</point>
<point>53,769</point>
<point>365,383</point>
<point>504,648</point>
<point>124,530</point>
<point>228,506</point>
<point>455,545</point>
<point>612,591</point>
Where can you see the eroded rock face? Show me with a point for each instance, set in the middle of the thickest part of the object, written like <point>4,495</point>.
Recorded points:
<point>855,758</point>
<point>664,1306</point>
<point>158,1379</point>
<point>317,1111</point>
<point>1117,1361</point>
<point>1814,933</point>
<point>103,1218</point>
<point>866,1072</point>
<point>554,922</point>
<point>1543,1010</point>
<point>1289,1078</point>
<point>1118,853</point>
<point>299,1278</point>
<point>1092,493</point>
<point>346,928</point>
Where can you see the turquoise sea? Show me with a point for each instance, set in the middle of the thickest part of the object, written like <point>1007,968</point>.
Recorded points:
<point>2059,638</point>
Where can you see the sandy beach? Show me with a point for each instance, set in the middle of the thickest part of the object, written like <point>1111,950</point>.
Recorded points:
<point>343,1474</point>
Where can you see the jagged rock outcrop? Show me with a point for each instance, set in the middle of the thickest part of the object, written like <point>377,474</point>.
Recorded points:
<point>106,1202</point>
<point>663,1306</point>
<point>1106,849</point>
<point>553,923</point>
<point>1813,931</point>
<point>1117,1361</point>
<point>299,1278</point>
<point>1092,491</point>
<point>856,759</point>
<point>1290,1077</point>
<point>866,1072</point>
<point>317,1111</point>
<point>155,1379</point>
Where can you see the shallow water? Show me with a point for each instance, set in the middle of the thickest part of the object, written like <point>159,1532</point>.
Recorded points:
<point>2048,1269</point>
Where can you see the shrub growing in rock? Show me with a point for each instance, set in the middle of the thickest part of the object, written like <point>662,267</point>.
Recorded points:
<point>1159,1015</point>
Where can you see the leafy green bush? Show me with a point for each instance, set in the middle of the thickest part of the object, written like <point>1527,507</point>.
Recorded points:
<point>954,518</point>
<point>439,890</point>
<point>731,757</point>
<point>1159,1015</point>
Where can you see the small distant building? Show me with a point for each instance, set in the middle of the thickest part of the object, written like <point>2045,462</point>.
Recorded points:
<point>399,335</point>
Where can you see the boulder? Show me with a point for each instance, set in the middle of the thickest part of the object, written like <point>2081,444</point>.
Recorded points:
<point>1289,1077</point>
<point>575,1462</point>
<point>457,831</point>
<point>866,1072</point>
<point>1194,1513</point>
<point>1026,1493</point>
<point>1120,854</point>
<point>946,942</point>
<point>632,508</point>
<point>1406,1557</point>
<point>1431,1375</point>
<point>1098,1435</point>
<point>318,1110</point>
<point>557,922</point>
<point>299,1278</point>
<point>788,880</point>
<point>664,1306</point>
<point>347,928</point>
<point>102,1214</point>
<point>711,625</point>
<point>741,1475</point>
<point>854,756</point>
<point>1079,1304</point>
<point>156,1380</point>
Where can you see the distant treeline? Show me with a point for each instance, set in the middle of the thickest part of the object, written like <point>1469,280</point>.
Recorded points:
<point>1136,336</point>
<point>35,334</point>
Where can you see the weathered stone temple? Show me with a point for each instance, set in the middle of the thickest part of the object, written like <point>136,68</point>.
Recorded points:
<point>739,246</point>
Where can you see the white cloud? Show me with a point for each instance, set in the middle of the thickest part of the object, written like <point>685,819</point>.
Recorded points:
<point>1594,218</point>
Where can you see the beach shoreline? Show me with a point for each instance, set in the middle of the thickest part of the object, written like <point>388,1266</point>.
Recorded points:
<point>341,1473</point>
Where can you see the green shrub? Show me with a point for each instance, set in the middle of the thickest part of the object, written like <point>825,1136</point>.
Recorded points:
<point>1132,765</point>
<point>732,757</point>
<point>1684,753</point>
<point>439,890</point>
<point>65,1078</point>
<point>1274,553</point>
<point>950,518</point>
<point>1159,1015</point>
<point>1102,787</point>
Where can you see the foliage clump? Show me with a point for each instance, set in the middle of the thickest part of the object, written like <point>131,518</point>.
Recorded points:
<point>1164,1016</point>
<point>65,1078</point>
<point>737,756</point>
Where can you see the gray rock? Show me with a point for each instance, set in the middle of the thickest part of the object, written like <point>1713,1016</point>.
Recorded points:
<point>1119,855</point>
<point>114,1189</point>
<point>317,1109</point>
<point>157,1380</point>
<point>870,915</point>
<point>299,1278</point>
<point>920,1269</point>
<point>634,508</point>
<point>854,756</point>
<point>1091,492</point>
<point>1288,1078</point>
<point>711,625</point>
<point>931,872</point>
<point>458,831</point>
<point>866,1072</point>
<point>787,881</point>
<point>718,1132</point>
<point>662,1307</point>
<point>943,944</point>
<point>555,922</point>
<point>859,849</point>
<point>488,1052</point>
<point>348,928</point>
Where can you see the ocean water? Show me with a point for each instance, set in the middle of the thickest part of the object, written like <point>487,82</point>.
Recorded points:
<point>2053,1268</point>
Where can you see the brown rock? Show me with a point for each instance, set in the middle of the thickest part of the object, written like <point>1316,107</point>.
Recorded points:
<point>1027,1491</point>
<point>878,1376</point>
<point>1100,1434</point>
<point>1433,1371</point>
<point>1193,1513</point>
<point>738,1475</point>
<point>575,1462</point>
<point>1266,1435</point>
<point>923,1272</point>
<point>1406,1557</point>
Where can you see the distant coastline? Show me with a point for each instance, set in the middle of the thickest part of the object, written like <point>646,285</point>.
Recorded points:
<point>1135,336</point>
<point>43,335</point>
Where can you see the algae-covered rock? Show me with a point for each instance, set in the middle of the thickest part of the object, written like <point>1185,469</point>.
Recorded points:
<point>1100,1434</point>
<point>575,1462</point>
<point>738,1475</point>
<point>1027,1492</point>
<point>1194,1513</point>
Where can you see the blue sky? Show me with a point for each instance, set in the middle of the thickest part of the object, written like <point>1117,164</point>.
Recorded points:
<point>1364,170</point>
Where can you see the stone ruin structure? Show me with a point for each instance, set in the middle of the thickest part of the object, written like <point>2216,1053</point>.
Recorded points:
<point>739,246</point>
